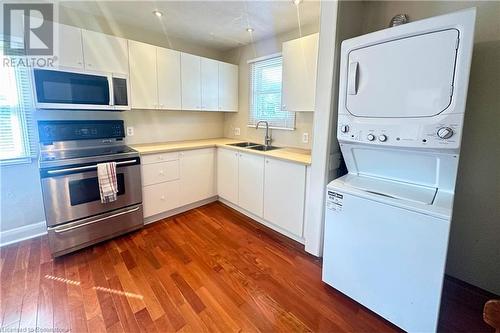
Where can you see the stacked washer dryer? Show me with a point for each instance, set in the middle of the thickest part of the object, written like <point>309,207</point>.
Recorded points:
<point>400,118</point>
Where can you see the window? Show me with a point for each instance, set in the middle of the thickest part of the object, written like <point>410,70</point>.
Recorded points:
<point>17,142</point>
<point>265,94</point>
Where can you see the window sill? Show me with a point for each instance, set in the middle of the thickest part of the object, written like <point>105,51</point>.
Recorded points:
<point>274,128</point>
<point>16,161</point>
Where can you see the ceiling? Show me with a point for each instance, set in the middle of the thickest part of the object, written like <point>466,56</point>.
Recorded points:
<point>220,25</point>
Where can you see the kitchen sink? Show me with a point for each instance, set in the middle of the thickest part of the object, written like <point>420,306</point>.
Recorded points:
<point>244,144</point>
<point>263,148</point>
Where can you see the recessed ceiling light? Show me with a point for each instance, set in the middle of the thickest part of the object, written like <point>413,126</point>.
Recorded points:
<point>157,13</point>
<point>249,29</point>
<point>297,2</point>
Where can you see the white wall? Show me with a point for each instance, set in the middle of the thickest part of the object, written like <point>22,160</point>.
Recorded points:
<point>240,56</point>
<point>474,250</point>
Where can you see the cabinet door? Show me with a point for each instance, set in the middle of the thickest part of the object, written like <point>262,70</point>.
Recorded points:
<point>228,87</point>
<point>197,175</point>
<point>105,53</point>
<point>209,85</point>
<point>143,82</point>
<point>227,174</point>
<point>169,78</point>
<point>70,47</point>
<point>160,198</point>
<point>191,81</point>
<point>284,195</point>
<point>300,57</point>
<point>251,183</point>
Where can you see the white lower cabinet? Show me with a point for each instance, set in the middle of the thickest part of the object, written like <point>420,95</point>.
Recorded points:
<point>284,195</point>
<point>159,198</point>
<point>268,188</point>
<point>197,175</point>
<point>251,183</point>
<point>227,174</point>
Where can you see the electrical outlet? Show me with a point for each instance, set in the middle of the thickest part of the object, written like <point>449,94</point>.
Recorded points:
<point>130,131</point>
<point>237,131</point>
<point>305,137</point>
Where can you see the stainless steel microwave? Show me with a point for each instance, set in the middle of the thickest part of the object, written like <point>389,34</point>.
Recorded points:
<point>56,89</point>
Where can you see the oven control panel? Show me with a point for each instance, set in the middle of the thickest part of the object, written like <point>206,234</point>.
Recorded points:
<point>51,131</point>
<point>436,132</point>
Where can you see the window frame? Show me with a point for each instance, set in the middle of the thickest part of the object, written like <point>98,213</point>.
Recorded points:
<point>251,91</point>
<point>25,116</point>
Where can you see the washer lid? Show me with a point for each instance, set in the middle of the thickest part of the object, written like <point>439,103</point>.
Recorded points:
<point>392,189</point>
<point>402,78</point>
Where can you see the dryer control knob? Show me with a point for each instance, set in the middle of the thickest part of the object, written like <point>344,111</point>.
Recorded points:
<point>382,138</point>
<point>445,132</point>
<point>370,137</point>
<point>344,128</point>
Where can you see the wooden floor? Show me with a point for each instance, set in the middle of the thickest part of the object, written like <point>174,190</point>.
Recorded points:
<point>209,269</point>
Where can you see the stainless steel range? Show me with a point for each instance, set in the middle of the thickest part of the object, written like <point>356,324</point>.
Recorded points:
<point>69,154</point>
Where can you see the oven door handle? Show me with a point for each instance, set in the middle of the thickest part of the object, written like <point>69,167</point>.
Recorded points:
<point>87,167</point>
<point>59,230</point>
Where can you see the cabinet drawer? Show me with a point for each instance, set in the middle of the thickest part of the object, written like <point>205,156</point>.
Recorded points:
<point>158,158</point>
<point>160,172</point>
<point>160,198</point>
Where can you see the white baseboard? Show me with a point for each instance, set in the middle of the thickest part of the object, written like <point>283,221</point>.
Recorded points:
<point>22,233</point>
<point>175,211</point>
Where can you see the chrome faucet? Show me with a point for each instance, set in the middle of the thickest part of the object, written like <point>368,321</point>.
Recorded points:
<point>267,138</point>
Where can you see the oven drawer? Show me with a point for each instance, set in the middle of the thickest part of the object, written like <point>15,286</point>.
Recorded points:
<point>158,158</point>
<point>160,172</point>
<point>73,236</point>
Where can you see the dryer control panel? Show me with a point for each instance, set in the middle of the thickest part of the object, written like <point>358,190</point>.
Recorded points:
<point>441,132</point>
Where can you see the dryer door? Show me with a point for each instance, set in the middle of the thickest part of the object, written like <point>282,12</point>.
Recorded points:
<point>408,77</point>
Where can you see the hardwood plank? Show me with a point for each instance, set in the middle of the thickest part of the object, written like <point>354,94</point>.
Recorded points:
<point>188,293</point>
<point>30,298</point>
<point>145,322</point>
<point>123,309</point>
<point>45,309</point>
<point>60,301</point>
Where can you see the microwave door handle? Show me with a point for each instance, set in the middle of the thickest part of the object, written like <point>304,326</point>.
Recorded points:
<point>87,167</point>
<point>111,92</point>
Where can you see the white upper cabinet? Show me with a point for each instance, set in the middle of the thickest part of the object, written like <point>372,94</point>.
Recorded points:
<point>251,183</point>
<point>284,194</point>
<point>70,53</point>
<point>227,174</point>
<point>209,84</point>
<point>300,58</point>
<point>143,81</point>
<point>228,87</point>
<point>169,78</point>
<point>105,53</point>
<point>197,175</point>
<point>191,81</point>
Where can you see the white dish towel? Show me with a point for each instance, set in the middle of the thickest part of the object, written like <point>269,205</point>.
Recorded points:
<point>108,186</point>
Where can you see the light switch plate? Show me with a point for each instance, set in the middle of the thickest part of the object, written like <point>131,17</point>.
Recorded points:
<point>130,131</point>
<point>305,137</point>
<point>237,131</point>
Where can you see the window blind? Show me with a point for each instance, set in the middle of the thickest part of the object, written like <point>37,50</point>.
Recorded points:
<point>265,94</point>
<point>17,132</point>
